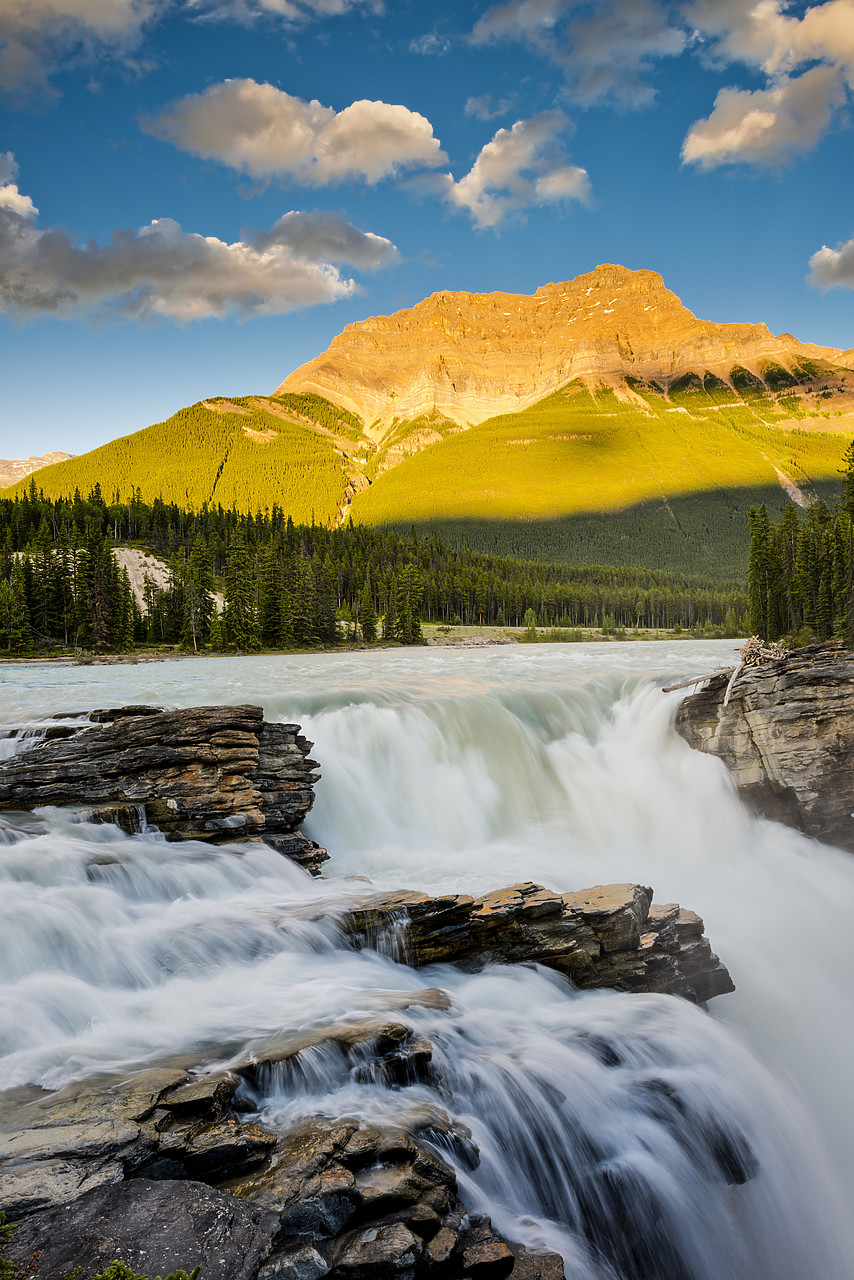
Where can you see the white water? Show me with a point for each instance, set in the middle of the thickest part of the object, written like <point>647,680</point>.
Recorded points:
<point>472,770</point>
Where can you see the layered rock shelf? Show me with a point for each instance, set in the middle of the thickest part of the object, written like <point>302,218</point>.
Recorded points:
<point>787,738</point>
<point>202,773</point>
<point>608,936</point>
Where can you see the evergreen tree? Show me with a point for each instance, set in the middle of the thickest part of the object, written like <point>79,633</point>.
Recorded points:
<point>18,631</point>
<point>240,622</point>
<point>367,613</point>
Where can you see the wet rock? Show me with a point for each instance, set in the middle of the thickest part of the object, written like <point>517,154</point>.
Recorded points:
<point>297,1261</point>
<point>202,1094</point>
<point>203,773</point>
<point>157,1124</point>
<point>154,1227</point>
<point>536,1266</point>
<point>607,936</point>
<point>787,738</point>
<point>375,1052</point>
<point>207,1151</point>
<point>389,1249</point>
<point>362,1195</point>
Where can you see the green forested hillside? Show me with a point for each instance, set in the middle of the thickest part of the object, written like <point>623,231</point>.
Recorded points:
<point>237,454</point>
<point>648,478</point>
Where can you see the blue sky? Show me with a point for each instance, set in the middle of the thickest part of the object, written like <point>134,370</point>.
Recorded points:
<point>197,195</point>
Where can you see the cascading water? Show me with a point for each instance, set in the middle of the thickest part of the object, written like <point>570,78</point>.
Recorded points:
<point>643,1139</point>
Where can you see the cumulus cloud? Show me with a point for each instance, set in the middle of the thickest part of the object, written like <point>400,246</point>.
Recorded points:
<point>765,126</point>
<point>769,125</point>
<point>833,268</point>
<point>36,36</point>
<point>160,270</point>
<point>260,130</point>
<point>520,167</point>
<point>606,49</point>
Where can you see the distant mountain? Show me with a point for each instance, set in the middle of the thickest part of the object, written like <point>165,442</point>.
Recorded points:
<point>597,420</point>
<point>12,471</point>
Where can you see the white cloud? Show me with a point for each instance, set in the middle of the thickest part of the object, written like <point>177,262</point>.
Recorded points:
<point>605,49</point>
<point>520,167</point>
<point>769,125</point>
<point>160,270</point>
<point>832,268</point>
<point>765,126</point>
<point>36,36</point>
<point>260,130</point>
<point>609,48</point>
<point>489,108</point>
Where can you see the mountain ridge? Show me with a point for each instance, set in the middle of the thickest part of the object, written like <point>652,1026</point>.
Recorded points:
<point>469,357</point>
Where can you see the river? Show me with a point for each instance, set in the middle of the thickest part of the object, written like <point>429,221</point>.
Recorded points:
<point>469,770</point>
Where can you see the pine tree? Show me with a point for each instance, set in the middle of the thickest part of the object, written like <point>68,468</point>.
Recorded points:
<point>367,613</point>
<point>18,631</point>
<point>198,595</point>
<point>240,622</point>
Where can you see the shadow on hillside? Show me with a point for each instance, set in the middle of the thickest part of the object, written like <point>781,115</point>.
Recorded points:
<point>703,533</point>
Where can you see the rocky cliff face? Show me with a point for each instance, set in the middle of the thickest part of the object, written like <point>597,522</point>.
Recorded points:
<point>469,356</point>
<point>787,737</point>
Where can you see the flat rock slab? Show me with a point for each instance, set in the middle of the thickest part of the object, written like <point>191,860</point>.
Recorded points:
<point>154,1227</point>
<point>217,774</point>
<point>787,738</point>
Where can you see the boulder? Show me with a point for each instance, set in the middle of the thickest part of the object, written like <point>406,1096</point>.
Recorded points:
<point>787,737</point>
<point>154,1227</point>
<point>607,936</point>
<point>217,774</point>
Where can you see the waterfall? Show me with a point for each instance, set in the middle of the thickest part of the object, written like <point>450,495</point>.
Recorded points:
<point>642,1138</point>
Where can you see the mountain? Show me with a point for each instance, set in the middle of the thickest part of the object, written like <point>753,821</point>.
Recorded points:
<point>597,420</point>
<point>11,471</point>
<point>470,356</point>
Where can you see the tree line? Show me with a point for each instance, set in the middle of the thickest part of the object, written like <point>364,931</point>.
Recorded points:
<point>241,583</point>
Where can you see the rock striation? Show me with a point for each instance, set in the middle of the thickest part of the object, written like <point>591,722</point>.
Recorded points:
<point>787,738</point>
<point>469,356</point>
<point>203,773</point>
<point>608,936</point>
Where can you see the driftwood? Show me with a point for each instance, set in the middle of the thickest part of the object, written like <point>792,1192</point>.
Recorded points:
<point>754,653</point>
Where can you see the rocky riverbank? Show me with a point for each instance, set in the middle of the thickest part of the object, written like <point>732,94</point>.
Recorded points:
<point>786,736</point>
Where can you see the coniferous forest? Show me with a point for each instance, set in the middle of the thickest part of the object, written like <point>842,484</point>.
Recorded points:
<point>284,586</point>
<point>801,571</point>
